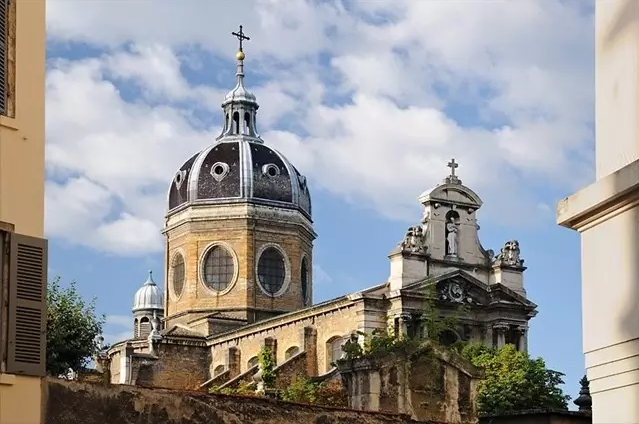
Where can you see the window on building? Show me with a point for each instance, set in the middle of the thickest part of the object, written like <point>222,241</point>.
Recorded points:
<point>335,350</point>
<point>218,370</point>
<point>252,362</point>
<point>219,268</point>
<point>145,328</point>
<point>448,338</point>
<point>4,53</point>
<point>271,270</point>
<point>304,281</point>
<point>178,274</point>
<point>291,351</point>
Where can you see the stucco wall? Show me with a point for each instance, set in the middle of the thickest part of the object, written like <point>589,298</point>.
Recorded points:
<point>69,402</point>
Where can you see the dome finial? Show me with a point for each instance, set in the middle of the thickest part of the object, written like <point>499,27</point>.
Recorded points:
<point>240,54</point>
<point>149,280</point>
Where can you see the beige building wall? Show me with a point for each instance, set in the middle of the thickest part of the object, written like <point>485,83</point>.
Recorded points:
<point>22,170</point>
<point>606,214</point>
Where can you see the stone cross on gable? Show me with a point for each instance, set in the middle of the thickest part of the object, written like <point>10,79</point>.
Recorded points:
<point>452,165</point>
<point>241,36</point>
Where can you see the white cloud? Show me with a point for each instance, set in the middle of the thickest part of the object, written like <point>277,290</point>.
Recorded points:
<point>371,111</point>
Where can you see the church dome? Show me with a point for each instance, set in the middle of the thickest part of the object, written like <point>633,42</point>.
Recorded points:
<point>239,167</point>
<point>149,296</point>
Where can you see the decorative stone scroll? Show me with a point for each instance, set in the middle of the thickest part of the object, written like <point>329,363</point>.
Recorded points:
<point>455,292</point>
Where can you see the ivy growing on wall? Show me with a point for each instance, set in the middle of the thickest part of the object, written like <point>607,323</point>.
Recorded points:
<point>267,363</point>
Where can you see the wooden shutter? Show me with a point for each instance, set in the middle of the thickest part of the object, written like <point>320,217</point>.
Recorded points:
<point>4,40</point>
<point>27,318</point>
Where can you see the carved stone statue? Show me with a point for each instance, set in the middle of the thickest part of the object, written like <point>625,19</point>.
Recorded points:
<point>510,254</point>
<point>451,237</point>
<point>425,223</point>
<point>414,240</point>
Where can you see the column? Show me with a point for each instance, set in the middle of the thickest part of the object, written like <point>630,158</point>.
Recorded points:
<point>487,335</point>
<point>501,334</point>
<point>523,338</point>
<point>606,214</point>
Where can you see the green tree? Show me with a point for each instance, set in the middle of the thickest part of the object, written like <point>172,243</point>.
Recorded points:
<point>72,329</point>
<point>514,381</point>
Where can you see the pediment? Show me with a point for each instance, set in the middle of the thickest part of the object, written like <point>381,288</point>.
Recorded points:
<point>459,287</point>
<point>452,193</point>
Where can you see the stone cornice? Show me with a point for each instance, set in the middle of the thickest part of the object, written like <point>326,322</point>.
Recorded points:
<point>242,210</point>
<point>600,201</point>
<point>286,319</point>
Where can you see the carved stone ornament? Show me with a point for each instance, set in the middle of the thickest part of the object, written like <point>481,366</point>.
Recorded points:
<point>453,291</point>
<point>510,254</point>
<point>414,240</point>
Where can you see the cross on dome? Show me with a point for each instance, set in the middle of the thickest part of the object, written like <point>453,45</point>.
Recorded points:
<point>241,37</point>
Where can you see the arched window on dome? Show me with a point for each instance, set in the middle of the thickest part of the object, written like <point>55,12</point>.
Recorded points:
<point>247,123</point>
<point>236,122</point>
<point>145,327</point>
<point>136,328</point>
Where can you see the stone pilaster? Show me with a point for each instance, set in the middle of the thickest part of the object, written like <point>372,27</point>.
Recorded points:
<point>233,361</point>
<point>310,347</point>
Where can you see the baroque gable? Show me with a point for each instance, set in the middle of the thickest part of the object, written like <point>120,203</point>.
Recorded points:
<point>460,288</point>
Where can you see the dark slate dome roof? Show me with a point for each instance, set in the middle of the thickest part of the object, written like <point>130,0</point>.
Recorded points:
<point>239,169</point>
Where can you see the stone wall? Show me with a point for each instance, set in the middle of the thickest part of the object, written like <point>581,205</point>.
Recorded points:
<point>539,417</point>
<point>427,383</point>
<point>69,402</point>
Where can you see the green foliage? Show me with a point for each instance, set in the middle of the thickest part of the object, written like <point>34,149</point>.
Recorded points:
<point>302,390</point>
<point>328,393</point>
<point>267,363</point>
<point>72,329</point>
<point>433,322</point>
<point>244,389</point>
<point>514,381</point>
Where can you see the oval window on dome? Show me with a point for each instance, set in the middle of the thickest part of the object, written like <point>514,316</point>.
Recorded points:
<point>219,268</point>
<point>177,274</point>
<point>219,170</point>
<point>271,270</point>
<point>271,170</point>
<point>304,281</point>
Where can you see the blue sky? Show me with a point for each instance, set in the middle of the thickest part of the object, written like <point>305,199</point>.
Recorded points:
<point>369,99</point>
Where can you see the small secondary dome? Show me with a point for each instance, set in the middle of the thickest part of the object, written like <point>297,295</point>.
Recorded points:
<point>149,296</point>
<point>239,166</point>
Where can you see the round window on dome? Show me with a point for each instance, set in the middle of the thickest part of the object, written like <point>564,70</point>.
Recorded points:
<point>271,271</point>
<point>271,170</point>
<point>219,268</point>
<point>177,274</point>
<point>219,170</point>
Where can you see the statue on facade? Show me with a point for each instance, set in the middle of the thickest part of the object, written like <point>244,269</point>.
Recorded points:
<point>414,240</point>
<point>510,254</point>
<point>451,237</point>
<point>425,224</point>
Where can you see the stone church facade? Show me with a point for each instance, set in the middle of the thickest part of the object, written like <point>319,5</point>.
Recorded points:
<point>239,254</point>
